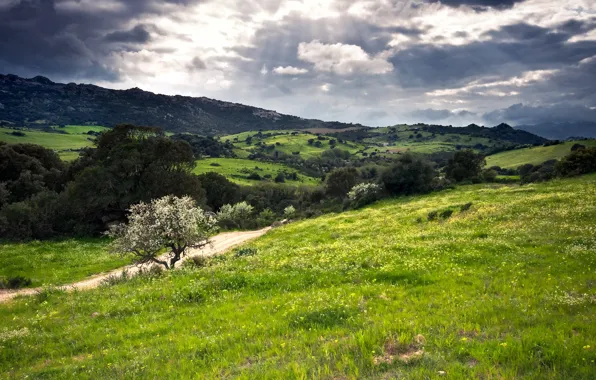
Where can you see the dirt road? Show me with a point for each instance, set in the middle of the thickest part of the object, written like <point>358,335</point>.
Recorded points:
<point>219,244</point>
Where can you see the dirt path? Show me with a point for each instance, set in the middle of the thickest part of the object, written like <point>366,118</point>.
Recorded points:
<point>219,244</point>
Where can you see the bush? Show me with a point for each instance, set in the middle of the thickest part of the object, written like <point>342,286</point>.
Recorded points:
<point>446,214</point>
<point>580,161</point>
<point>432,215</point>
<point>465,166</point>
<point>236,216</point>
<point>197,262</point>
<point>289,212</point>
<point>244,252</point>
<point>364,194</point>
<point>340,181</point>
<point>16,282</point>
<point>466,207</point>
<point>266,217</point>
<point>409,176</point>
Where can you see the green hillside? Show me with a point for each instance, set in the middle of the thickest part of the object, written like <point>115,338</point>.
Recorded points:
<point>65,144</point>
<point>237,170</point>
<point>504,290</point>
<point>289,142</point>
<point>533,155</point>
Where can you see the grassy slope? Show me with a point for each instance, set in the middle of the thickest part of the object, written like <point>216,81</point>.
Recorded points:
<point>57,262</point>
<point>62,143</point>
<point>234,169</point>
<point>290,143</point>
<point>426,144</point>
<point>505,290</point>
<point>533,155</point>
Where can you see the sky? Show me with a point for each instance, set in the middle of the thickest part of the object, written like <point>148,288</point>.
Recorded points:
<point>375,62</point>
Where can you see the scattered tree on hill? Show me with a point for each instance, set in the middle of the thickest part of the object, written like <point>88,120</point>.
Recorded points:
<point>409,175</point>
<point>169,222</point>
<point>465,165</point>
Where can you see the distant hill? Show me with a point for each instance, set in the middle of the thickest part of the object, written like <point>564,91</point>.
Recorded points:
<point>40,102</point>
<point>562,131</point>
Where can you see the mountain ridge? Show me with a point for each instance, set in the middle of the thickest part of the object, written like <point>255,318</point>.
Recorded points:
<point>39,101</point>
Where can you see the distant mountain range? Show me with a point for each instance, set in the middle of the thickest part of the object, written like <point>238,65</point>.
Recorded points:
<point>40,102</point>
<point>562,131</point>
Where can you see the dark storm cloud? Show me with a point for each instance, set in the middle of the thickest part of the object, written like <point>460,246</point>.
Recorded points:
<point>138,34</point>
<point>511,49</point>
<point>520,114</point>
<point>50,38</point>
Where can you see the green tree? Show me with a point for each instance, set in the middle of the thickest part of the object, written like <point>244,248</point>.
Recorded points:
<point>409,175</point>
<point>465,165</point>
<point>340,181</point>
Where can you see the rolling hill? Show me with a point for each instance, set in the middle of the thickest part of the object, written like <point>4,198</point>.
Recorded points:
<point>503,289</point>
<point>39,101</point>
<point>535,155</point>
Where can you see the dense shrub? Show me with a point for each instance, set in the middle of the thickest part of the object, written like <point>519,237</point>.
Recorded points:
<point>289,212</point>
<point>364,194</point>
<point>15,282</point>
<point>409,175</point>
<point>266,218</point>
<point>537,173</point>
<point>465,165</point>
<point>219,190</point>
<point>578,162</point>
<point>239,215</point>
<point>340,181</point>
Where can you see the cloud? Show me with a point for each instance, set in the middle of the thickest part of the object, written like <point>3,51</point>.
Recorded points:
<point>138,35</point>
<point>342,59</point>
<point>196,64</point>
<point>289,70</point>
<point>368,61</point>
<point>520,114</point>
<point>478,3</point>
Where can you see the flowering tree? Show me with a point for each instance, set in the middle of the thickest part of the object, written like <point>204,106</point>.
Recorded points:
<point>289,212</point>
<point>364,193</point>
<point>167,223</point>
<point>237,215</point>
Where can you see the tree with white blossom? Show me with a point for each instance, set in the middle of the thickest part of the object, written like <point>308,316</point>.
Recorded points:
<point>169,223</point>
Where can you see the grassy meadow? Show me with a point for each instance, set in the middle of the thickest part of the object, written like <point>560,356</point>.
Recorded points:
<point>65,144</point>
<point>237,170</point>
<point>289,143</point>
<point>504,288</point>
<point>58,262</point>
<point>533,155</point>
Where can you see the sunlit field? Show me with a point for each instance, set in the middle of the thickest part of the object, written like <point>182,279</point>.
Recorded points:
<point>57,262</point>
<point>502,288</point>
<point>534,155</point>
<point>237,170</point>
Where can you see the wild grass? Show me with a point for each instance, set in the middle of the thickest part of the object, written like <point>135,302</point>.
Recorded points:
<point>502,290</point>
<point>534,155</point>
<point>57,262</point>
<point>237,170</point>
